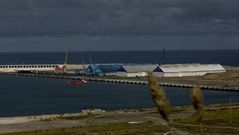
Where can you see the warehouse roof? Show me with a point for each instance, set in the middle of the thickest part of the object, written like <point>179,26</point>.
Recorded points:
<point>189,68</point>
<point>138,68</point>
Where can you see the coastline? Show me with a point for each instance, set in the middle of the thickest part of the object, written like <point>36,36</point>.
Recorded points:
<point>96,117</point>
<point>99,118</point>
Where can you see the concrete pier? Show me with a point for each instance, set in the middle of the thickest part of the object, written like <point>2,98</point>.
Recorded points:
<point>98,79</point>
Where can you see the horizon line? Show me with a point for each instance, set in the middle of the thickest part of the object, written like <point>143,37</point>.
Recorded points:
<point>59,51</point>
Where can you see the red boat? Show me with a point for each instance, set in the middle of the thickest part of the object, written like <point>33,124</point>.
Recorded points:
<point>82,82</point>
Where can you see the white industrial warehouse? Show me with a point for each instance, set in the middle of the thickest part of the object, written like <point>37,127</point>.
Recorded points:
<point>180,70</point>
<point>135,70</point>
<point>170,70</point>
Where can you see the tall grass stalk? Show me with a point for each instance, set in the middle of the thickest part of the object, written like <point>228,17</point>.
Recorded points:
<point>160,99</point>
<point>230,111</point>
<point>197,102</point>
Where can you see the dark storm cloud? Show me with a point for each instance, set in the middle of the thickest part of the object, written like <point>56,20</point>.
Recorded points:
<point>118,17</point>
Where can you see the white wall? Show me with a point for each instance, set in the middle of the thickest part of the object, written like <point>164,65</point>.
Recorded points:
<point>125,74</point>
<point>182,74</point>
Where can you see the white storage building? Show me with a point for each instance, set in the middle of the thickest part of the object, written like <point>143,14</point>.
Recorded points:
<point>180,70</point>
<point>135,70</point>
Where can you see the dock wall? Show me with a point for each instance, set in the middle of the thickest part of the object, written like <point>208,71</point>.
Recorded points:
<point>98,79</point>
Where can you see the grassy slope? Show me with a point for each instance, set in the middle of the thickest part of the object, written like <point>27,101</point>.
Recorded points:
<point>221,121</point>
<point>215,121</point>
<point>109,129</point>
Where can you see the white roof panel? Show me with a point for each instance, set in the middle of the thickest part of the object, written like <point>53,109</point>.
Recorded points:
<point>140,68</point>
<point>191,67</point>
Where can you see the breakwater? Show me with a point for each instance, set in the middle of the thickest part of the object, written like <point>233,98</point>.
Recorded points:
<point>127,81</point>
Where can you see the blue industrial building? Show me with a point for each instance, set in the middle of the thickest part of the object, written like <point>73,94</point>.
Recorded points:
<point>102,69</point>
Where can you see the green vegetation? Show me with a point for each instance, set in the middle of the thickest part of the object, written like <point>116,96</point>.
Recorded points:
<point>214,121</point>
<point>76,117</point>
<point>109,129</point>
<point>219,117</point>
<point>79,117</point>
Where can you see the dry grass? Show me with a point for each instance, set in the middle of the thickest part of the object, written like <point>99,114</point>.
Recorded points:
<point>197,102</point>
<point>159,97</point>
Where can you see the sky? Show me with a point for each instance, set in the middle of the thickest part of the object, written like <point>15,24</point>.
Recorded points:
<point>116,25</point>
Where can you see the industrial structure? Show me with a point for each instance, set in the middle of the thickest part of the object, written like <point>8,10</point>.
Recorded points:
<point>29,67</point>
<point>135,70</point>
<point>103,69</point>
<point>119,70</point>
<point>41,67</point>
<point>180,70</point>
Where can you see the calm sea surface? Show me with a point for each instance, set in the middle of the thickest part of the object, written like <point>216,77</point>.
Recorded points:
<point>29,96</point>
<point>229,57</point>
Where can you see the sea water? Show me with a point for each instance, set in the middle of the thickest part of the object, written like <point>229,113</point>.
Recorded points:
<point>31,96</point>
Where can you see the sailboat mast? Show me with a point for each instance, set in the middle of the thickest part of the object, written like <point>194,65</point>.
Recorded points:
<point>82,61</point>
<point>66,60</point>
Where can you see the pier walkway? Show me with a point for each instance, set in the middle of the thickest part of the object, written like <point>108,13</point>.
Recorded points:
<point>125,81</point>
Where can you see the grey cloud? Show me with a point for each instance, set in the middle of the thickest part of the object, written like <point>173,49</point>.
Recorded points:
<point>117,17</point>
<point>109,43</point>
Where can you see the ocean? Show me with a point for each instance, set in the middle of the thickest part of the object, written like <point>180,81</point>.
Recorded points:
<point>33,96</point>
<point>224,57</point>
